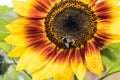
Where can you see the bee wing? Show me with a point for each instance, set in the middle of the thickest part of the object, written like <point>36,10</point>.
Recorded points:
<point>68,40</point>
<point>67,44</point>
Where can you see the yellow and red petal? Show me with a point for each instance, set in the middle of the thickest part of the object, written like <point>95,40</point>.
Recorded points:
<point>107,11</point>
<point>37,57</point>
<point>107,35</point>
<point>92,58</point>
<point>108,15</point>
<point>48,70</point>
<point>33,8</point>
<point>102,10</point>
<point>25,27</point>
<point>77,65</point>
<point>62,66</point>
<point>25,23</point>
<point>52,70</point>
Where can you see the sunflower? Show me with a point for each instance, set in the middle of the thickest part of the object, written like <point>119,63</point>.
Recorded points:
<point>63,38</point>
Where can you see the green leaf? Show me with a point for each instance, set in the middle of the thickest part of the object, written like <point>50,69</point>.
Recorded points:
<point>7,15</point>
<point>111,58</point>
<point>4,8</point>
<point>5,46</point>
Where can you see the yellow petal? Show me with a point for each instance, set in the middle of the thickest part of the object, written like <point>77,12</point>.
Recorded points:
<point>92,58</point>
<point>16,39</point>
<point>32,8</point>
<point>17,52</point>
<point>30,58</point>
<point>24,9</point>
<point>58,1</point>
<point>89,2</point>
<point>17,25</point>
<point>77,64</point>
<point>45,72</point>
<point>112,1</point>
<point>22,24</point>
<point>64,72</point>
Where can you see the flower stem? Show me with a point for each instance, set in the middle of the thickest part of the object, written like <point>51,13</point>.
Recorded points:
<point>23,70</point>
<point>108,75</point>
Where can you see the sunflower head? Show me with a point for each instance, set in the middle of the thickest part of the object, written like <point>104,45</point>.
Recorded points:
<point>61,38</point>
<point>70,19</point>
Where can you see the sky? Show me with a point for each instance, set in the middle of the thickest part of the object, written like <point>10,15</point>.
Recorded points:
<point>6,2</point>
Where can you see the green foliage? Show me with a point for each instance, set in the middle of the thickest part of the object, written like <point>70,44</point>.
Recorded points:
<point>86,78</point>
<point>12,74</point>
<point>111,58</point>
<point>5,46</point>
<point>5,8</point>
<point>7,15</point>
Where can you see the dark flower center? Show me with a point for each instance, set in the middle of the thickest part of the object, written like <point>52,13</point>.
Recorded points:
<point>70,20</point>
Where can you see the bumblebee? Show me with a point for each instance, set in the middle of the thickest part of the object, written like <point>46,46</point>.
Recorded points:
<point>68,42</point>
